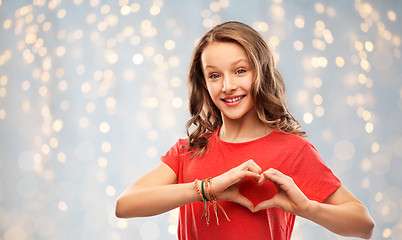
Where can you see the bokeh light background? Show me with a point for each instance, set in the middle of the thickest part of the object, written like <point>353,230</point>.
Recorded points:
<point>92,93</point>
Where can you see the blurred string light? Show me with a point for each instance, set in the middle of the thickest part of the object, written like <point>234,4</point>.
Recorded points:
<point>93,92</point>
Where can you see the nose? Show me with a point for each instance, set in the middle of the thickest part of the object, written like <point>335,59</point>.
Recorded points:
<point>229,85</point>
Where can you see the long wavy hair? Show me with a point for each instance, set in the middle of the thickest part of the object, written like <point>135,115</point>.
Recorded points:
<point>268,90</point>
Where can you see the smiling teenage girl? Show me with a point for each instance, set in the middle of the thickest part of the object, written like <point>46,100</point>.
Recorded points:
<point>254,165</point>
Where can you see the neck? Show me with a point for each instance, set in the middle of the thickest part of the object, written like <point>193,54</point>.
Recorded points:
<point>247,128</point>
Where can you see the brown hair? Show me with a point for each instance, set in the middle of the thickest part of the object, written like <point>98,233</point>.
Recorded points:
<point>268,90</point>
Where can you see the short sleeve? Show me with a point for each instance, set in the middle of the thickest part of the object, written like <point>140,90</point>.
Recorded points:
<point>312,176</point>
<point>172,157</point>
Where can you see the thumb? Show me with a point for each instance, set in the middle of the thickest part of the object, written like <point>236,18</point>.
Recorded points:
<point>265,205</point>
<point>244,202</point>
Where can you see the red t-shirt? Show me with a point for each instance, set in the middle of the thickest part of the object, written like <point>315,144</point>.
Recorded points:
<point>289,153</point>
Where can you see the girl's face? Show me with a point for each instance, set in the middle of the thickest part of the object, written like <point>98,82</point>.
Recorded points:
<point>229,76</point>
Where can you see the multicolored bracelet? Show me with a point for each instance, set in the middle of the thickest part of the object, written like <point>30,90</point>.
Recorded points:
<point>208,197</point>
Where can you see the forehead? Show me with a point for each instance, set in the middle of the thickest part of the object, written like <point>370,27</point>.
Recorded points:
<point>222,53</point>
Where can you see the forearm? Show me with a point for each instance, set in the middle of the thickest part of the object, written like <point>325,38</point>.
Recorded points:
<point>143,201</point>
<point>349,219</point>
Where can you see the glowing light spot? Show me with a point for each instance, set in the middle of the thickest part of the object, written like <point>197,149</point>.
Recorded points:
<point>2,114</point>
<point>320,25</point>
<point>365,183</point>
<point>365,65</point>
<point>369,127</point>
<point>57,125</point>
<point>340,62</point>
<point>53,142</point>
<point>366,115</point>
<point>60,51</point>
<point>158,59</point>
<point>170,45</point>
<point>174,61</point>
<point>154,10</point>
<point>298,45</point>
<point>152,102</point>
<point>90,107</point>
<point>369,46</point>
<point>85,87</point>
<point>391,16</point>
<point>172,229</point>
<point>375,147</point>
<point>308,118</point>
<point>135,7</point>
<point>111,57</point>
<point>64,105</point>
<point>83,122</point>
<point>261,26</point>
<point>125,10</point>
<point>122,223</point>
<point>7,24</point>
<point>359,46</point>
<point>299,21</point>
<point>175,82</point>
<point>138,59</point>
<point>105,9</point>
<point>274,41</point>
<point>61,157</point>
<point>319,8</point>
<point>317,99</point>
<point>364,27</point>
<point>3,92</point>
<point>102,162</point>
<point>319,111</point>
<point>104,127</point>
<point>149,51</point>
<point>215,7</point>
<point>63,206</point>
<point>61,13</point>
<point>319,44</point>
<point>387,233</point>
<point>152,152</point>
<point>106,147</point>
<point>110,102</point>
<point>152,135</point>
<point>177,102</point>
<point>366,165</point>
<point>110,191</point>
<point>278,10</point>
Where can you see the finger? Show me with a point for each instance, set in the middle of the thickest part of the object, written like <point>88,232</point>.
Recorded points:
<point>252,166</point>
<point>265,205</point>
<point>249,174</point>
<point>274,176</point>
<point>244,202</point>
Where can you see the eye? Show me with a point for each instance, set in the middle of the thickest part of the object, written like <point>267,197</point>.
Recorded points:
<point>214,76</point>
<point>240,71</point>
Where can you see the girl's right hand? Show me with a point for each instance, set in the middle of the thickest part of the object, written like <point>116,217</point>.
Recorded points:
<point>226,185</point>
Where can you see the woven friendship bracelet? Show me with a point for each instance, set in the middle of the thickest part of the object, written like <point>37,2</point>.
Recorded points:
<point>198,190</point>
<point>208,196</point>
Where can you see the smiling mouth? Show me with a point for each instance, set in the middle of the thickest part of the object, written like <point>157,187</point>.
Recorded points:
<point>232,100</point>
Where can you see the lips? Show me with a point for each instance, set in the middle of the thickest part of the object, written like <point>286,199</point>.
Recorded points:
<point>233,99</point>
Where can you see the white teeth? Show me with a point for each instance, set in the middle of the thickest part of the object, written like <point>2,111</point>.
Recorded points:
<point>233,99</point>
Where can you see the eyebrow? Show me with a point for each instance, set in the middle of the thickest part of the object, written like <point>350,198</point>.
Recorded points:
<point>233,63</point>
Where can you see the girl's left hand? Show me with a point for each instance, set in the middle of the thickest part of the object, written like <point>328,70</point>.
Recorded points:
<point>288,198</point>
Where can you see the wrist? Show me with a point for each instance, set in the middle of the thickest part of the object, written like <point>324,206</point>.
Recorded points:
<point>197,187</point>
<point>310,209</point>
